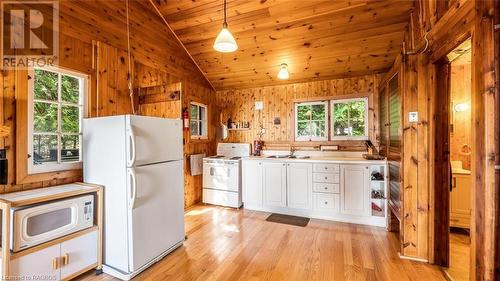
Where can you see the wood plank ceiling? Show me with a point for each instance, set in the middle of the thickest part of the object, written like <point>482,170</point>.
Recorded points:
<point>317,39</point>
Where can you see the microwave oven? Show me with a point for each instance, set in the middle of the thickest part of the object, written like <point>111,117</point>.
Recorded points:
<point>36,224</point>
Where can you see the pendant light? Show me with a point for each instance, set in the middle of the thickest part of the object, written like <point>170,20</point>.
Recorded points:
<point>283,73</point>
<point>224,42</point>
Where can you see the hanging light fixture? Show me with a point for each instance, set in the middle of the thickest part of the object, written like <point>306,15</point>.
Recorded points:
<point>283,73</point>
<point>224,42</point>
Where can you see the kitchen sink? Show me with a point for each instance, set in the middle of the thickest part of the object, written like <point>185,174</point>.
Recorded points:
<point>278,156</point>
<point>288,156</point>
<point>299,157</point>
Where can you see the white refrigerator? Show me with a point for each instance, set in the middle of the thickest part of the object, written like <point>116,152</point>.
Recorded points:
<point>139,160</point>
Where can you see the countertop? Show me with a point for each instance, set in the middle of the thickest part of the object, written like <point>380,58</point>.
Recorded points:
<point>326,159</point>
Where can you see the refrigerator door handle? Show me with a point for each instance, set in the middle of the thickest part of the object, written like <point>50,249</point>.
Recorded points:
<point>131,147</point>
<point>133,186</point>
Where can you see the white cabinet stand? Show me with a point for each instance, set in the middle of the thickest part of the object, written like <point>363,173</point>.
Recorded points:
<point>62,258</point>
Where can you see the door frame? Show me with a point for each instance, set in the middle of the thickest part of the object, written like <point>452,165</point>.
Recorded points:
<point>485,220</point>
<point>441,160</point>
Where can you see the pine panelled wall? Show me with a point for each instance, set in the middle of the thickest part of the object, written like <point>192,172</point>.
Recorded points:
<point>239,105</point>
<point>93,41</point>
<point>425,231</point>
<point>460,142</point>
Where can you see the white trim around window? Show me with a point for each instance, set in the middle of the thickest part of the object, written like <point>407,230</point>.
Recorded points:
<point>311,121</point>
<point>198,125</point>
<point>332,114</point>
<point>59,164</point>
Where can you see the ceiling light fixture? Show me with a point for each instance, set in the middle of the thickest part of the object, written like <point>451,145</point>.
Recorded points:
<point>224,42</point>
<point>283,73</point>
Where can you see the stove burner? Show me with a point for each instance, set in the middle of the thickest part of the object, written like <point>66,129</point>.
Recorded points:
<point>217,156</point>
<point>236,158</point>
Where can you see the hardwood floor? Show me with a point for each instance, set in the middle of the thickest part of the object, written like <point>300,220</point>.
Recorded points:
<point>459,256</point>
<point>229,244</point>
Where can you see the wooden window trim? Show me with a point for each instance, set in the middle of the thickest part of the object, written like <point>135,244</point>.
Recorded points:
<point>329,141</point>
<point>200,138</point>
<point>21,147</point>
<point>295,122</point>
<point>366,118</point>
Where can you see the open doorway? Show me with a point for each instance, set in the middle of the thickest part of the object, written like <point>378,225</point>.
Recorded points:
<point>453,162</point>
<point>460,202</point>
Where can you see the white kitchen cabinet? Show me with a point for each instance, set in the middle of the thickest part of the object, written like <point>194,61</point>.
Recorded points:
<point>64,260</point>
<point>299,192</point>
<point>460,201</point>
<point>76,255</point>
<point>39,264</point>
<point>355,193</point>
<point>274,181</point>
<point>252,182</point>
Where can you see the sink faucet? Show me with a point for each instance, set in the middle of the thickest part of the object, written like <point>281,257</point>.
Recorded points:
<point>292,151</point>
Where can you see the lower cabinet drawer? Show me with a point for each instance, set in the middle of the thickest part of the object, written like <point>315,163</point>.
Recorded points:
<point>326,187</point>
<point>326,177</point>
<point>326,168</point>
<point>326,202</point>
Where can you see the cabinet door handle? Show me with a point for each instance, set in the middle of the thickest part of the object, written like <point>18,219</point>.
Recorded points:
<point>65,259</point>
<point>326,202</point>
<point>55,263</point>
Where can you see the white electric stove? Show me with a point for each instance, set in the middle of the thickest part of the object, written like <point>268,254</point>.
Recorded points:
<point>222,175</point>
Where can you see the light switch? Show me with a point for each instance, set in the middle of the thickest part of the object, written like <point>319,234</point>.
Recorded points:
<point>413,116</point>
<point>259,105</point>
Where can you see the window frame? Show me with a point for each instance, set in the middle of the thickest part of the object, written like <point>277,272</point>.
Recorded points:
<point>332,119</point>
<point>200,121</point>
<point>309,138</point>
<point>84,87</point>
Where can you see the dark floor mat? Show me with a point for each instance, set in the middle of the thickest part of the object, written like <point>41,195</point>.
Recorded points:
<point>286,219</point>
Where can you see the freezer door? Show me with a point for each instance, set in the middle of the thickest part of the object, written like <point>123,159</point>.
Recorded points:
<point>156,216</point>
<point>153,140</point>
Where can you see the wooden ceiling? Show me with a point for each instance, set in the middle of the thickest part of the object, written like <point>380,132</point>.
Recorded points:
<point>317,39</point>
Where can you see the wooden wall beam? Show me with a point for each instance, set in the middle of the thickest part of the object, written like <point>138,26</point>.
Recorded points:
<point>497,135</point>
<point>484,240</point>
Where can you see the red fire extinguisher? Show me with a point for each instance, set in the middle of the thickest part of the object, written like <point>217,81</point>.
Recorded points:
<point>185,118</point>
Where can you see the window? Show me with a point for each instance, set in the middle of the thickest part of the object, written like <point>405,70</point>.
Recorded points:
<point>350,119</point>
<point>311,121</point>
<point>198,117</point>
<point>55,113</point>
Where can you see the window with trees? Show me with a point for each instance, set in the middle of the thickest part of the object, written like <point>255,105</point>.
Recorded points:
<point>198,119</point>
<point>350,119</point>
<point>54,119</point>
<point>311,121</point>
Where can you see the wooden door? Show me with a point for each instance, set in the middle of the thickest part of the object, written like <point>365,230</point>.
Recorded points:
<point>442,165</point>
<point>355,190</point>
<point>299,191</point>
<point>252,182</point>
<point>274,175</point>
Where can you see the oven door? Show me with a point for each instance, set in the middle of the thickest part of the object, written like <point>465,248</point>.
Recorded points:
<point>221,175</point>
<point>42,223</point>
